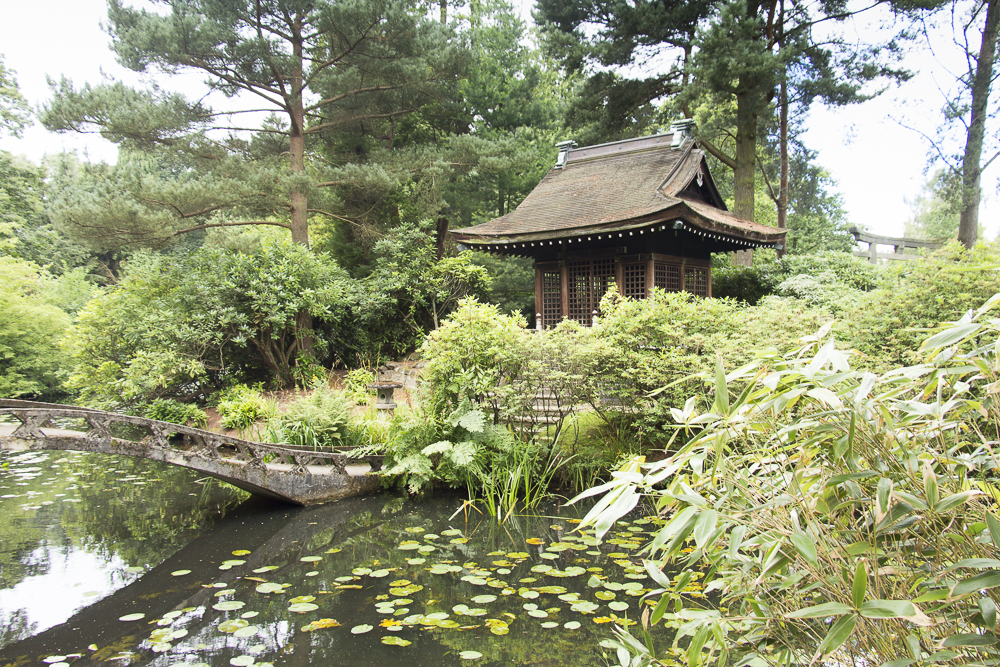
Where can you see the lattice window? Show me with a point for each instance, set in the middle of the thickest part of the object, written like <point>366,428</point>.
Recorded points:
<point>579,291</point>
<point>696,281</point>
<point>667,276</point>
<point>551,299</point>
<point>604,278</point>
<point>635,280</point>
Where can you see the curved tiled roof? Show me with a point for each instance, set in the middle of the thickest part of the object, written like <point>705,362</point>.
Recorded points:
<point>617,185</point>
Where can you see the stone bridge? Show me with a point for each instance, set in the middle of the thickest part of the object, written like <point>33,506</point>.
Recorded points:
<point>293,474</point>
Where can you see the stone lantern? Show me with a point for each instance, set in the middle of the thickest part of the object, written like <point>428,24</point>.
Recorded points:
<point>383,391</point>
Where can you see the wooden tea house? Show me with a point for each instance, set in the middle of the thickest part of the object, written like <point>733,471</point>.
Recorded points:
<point>637,214</point>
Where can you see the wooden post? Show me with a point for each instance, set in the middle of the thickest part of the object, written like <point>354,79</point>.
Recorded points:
<point>619,275</point>
<point>539,299</point>
<point>650,279</point>
<point>564,287</point>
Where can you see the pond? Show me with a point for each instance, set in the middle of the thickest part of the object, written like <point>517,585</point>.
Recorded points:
<point>135,562</point>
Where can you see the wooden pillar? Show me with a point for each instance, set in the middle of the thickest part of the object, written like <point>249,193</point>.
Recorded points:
<point>650,279</point>
<point>620,275</point>
<point>539,300</point>
<point>683,274</point>
<point>709,272</point>
<point>564,287</point>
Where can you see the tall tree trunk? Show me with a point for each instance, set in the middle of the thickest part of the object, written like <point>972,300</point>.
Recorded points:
<point>746,156</point>
<point>297,148</point>
<point>783,140</point>
<point>440,238</point>
<point>782,131</point>
<point>968,225</point>
<point>297,165</point>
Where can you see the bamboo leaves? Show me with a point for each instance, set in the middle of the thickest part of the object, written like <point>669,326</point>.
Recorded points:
<point>835,502</point>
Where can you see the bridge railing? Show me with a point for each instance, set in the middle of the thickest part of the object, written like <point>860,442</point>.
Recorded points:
<point>903,248</point>
<point>107,427</point>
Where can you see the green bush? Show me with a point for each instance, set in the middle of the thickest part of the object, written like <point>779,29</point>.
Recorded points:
<point>840,272</point>
<point>918,295</point>
<point>748,284</point>
<point>834,516</point>
<point>241,407</point>
<point>175,412</point>
<point>356,385</point>
<point>468,356</point>
<point>320,419</point>
<point>31,361</point>
<point>184,324</point>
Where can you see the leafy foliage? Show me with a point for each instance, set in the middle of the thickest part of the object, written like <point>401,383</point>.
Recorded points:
<point>175,412</point>
<point>241,407</point>
<point>821,492</point>
<point>31,363</point>
<point>188,323</point>
<point>912,296</point>
<point>14,111</point>
<point>320,419</point>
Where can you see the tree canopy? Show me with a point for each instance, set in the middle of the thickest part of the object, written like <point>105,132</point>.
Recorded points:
<point>312,66</point>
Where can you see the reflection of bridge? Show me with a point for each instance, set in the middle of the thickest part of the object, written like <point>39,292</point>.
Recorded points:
<point>293,474</point>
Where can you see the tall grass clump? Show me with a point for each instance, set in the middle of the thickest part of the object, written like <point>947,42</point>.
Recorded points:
<point>838,516</point>
<point>241,407</point>
<point>320,419</point>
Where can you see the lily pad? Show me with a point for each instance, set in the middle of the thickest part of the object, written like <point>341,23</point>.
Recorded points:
<point>484,599</point>
<point>303,607</point>
<point>572,625</point>
<point>470,655</point>
<point>302,598</point>
<point>311,559</point>
<point>248,631</point>
<point>131,617</point>
<point>232,626</point>
<point>180,573</point>
<point>229,605</point>
<point>618,606</point>
<point>269,588</point>
<point>361,629</point>
<point>548,625</point>
<point>395,641</point>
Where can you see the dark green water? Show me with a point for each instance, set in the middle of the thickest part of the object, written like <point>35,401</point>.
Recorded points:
<point>211,579</point>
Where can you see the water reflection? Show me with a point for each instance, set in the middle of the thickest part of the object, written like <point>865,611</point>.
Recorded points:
<point>359,582</point>
<point>76,527</point>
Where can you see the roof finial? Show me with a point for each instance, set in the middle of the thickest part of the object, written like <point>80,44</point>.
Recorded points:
<point>682,130</point>
<point>564,149</point>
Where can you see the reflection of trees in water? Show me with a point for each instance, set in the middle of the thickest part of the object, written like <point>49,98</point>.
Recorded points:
<point>139,523</point>
<point>15,627</point>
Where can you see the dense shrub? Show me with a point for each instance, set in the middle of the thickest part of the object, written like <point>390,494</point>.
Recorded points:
<point>840,275</point>
<point>913,296</point>
<point>175,412</point>
<point>183,325</point>
<point>654,343</point>
<point>833,515</point>
<point>241,407</point>
<point>321,418</point>
<point>468,356</point>
<point>31,363</point>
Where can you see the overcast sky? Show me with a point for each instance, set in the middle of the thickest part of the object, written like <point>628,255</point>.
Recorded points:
<point>877,163</point>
